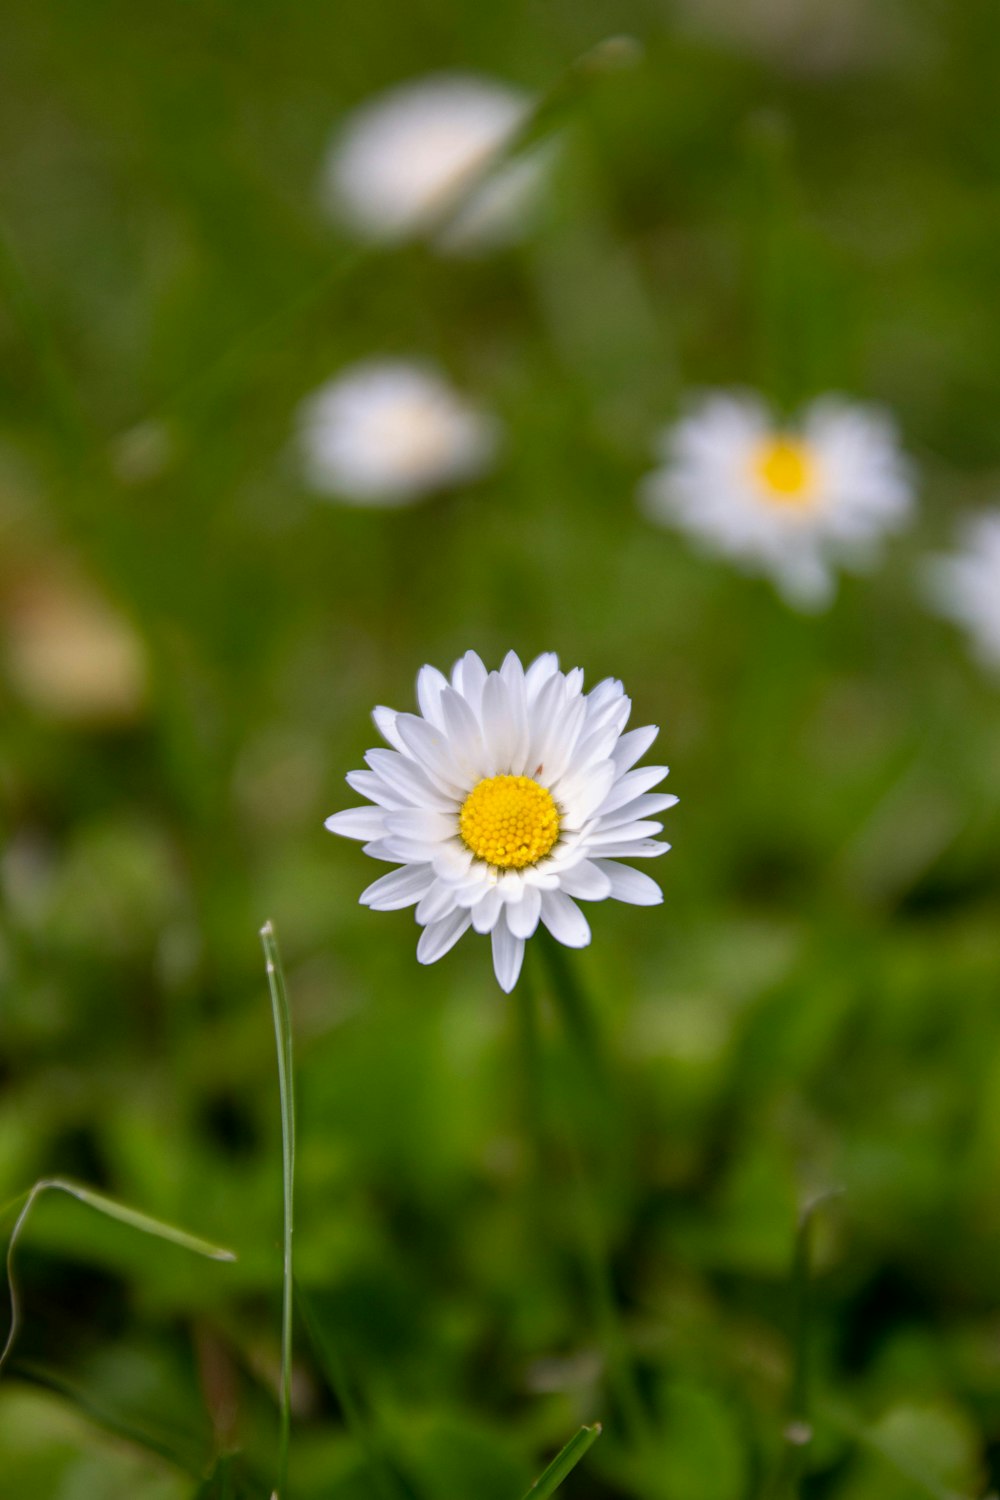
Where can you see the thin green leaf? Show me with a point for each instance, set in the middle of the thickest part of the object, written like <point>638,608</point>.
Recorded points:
<point>564,1463</point>
<point>286,1090</point>
<point>111,1209</point>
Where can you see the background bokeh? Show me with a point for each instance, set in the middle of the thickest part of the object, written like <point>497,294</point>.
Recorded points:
<point>502,1233</point>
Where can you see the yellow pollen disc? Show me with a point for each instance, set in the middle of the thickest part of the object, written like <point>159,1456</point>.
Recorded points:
<point>509,821</point>
<point>785,469</point>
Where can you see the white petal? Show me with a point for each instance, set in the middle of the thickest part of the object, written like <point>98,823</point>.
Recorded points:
<point>398,889</point>
<point>409,779</point>
<point>504,730</point>
<point>416,823</point>
<point>430,747</point>
<point>412,851</point>
<point>512,673</point>
<point>437,903</point>
<point>430,684</point>
<point>452,861</point>
<point>508,953</point>
<point>358,823</point>
<point>487,910</point>
<point>581,794</point>
<point>385,723</point>
<point>522,916</point>
<point>379,849</point>
<point>631,885</point>
<point>565,920</point>
<point>607,691</point>
<point>468,677</point>
<point>438,937</point>
<point>642,807</point>
<point>464,738</point>
<point>632,849</point>
<point>620,833</point>
<point>633,746</point>
<point>631,785</point>
<point>587,881</point>
<point>367,784</point>
<point>541,669</point>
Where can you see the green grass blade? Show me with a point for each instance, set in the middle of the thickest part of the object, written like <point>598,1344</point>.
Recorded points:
<point>111,1209</point>
<point>564,1463</point>
<point>798,1433</point>
<point>286,1089</point>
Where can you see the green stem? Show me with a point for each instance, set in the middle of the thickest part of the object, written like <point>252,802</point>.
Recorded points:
<point>798,1431</point>
<point>564,1462</point>
<point>286,1089</point>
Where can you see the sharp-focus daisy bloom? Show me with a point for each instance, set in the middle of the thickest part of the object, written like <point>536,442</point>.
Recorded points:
<point>418,160</point>
<point>388,432</point>
<point>790,501</point>
<point>966,585</point>
<point>507,798</point>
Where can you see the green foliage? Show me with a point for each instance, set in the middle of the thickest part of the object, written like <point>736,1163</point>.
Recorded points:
<point>513,1217</point>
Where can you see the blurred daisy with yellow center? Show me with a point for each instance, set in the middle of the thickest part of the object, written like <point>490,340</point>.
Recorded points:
<point>793,502</point>
<point>785,470</point>
<point>510,797</point>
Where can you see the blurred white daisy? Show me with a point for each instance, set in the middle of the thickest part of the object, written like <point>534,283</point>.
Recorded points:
<point>510,796</point>
<point>791,501</point>
<point>404,158</point>
<point>965,586</point>
<point>388,432</point>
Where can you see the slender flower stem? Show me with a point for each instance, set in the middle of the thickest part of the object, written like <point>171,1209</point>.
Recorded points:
<point>798,1431</point>
<point>586,1045</point>
<point>286,1089</point>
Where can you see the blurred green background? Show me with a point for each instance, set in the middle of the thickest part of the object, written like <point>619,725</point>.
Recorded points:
<point>498,1238</point>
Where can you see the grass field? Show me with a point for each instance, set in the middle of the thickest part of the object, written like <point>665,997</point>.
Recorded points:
<point>578,1203</point>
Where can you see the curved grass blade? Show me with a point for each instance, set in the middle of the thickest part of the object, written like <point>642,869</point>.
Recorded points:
<point>286,1090</point>
<point>564,1463</point>
<point>111,1209</point>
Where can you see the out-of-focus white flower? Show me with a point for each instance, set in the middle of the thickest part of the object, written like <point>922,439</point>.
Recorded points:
<point>402,161</point>
<point>510,794</point>
<point>965,586</point>
<point>388,432</point>
<point>791,502</point>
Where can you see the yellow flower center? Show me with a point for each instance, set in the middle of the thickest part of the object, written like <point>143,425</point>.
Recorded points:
<point>785,469</point>
<point>509,821</point>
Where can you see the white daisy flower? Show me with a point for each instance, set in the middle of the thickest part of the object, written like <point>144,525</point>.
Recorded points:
<point>965,586</point>
<point>510,796</point>
<point>788,501</point>
<point>403,159</point>
<point>388,432</point>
